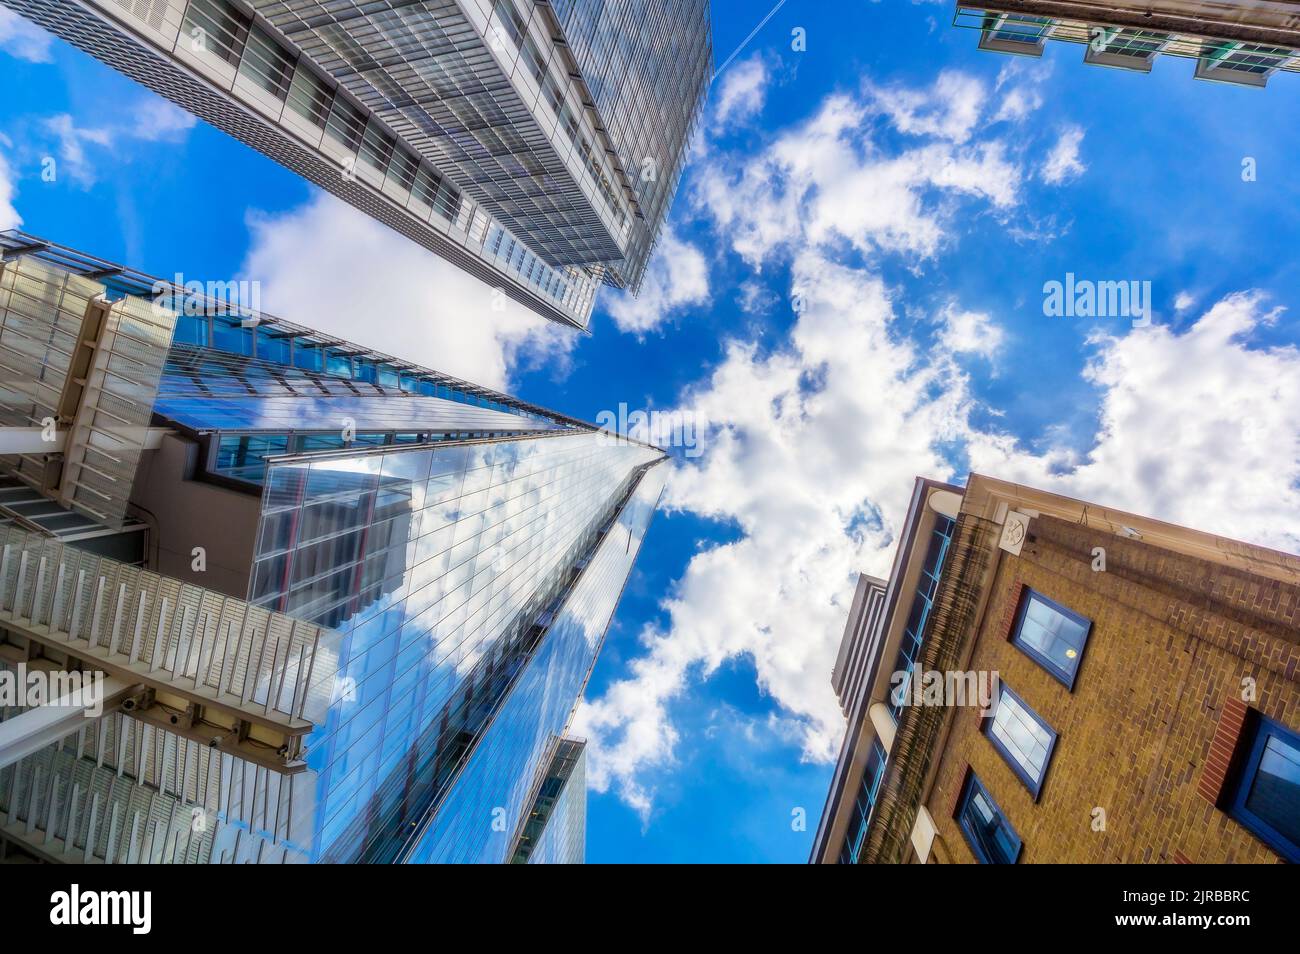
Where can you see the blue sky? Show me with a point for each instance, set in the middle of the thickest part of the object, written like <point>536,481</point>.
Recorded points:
<point>849,293</point>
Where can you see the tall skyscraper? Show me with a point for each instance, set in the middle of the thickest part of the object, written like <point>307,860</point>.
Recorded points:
<point>346,605</point>
<point>1243,42</point>
<point>537,145</point>
<point>1051,680</point>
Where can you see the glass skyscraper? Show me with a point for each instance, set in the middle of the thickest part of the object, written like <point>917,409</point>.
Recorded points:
<point>536,145</point>
<point>365,599</point>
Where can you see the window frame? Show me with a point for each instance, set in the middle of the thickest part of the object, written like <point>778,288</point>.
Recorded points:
<point>1043,661</point>
<point>1035,788</point>
<point>968,785</point>
<point>1262,728</point>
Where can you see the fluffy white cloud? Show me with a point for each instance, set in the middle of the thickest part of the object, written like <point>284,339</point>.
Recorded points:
<point>157,120</point>
<point>949,109</point>
<point>72,142</point>
<point>743,91</point>
<point>826,180</point>
<point>330,267</point>
<point>677,277</point>
<point>1197,428</point>
<point>815,442</point>
<point>1063,161</point>
<point>9,217</point>
<point>23,39</point>
<point>785,463</point>
<point>970,332</point>
<point>150,119</point>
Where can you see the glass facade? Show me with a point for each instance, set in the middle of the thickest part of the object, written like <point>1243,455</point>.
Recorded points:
<point>544,700</point>
<point>554,830</point>
<point>471,584</point>
<point>431,569</point>
<point>648,64</point>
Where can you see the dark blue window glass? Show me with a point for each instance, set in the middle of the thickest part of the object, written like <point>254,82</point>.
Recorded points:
<point>273,348</point>
<point>1051,635</point>
<point>987,830</point>
<point>1022,737</point>
<point>909,649</point>
<point>307,357</point>
<point>338,363</point>
<point>191,329</point>
<point>233,338</point>
<point>864,802</point>
<point>1266,799</point>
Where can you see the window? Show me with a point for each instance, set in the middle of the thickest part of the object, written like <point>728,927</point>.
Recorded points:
<point>218,27</point>
<point>864,803</point>
<point>1015,33</point>
<point>1266,799</point>
<point>309,97</point>
<point>987,830</point>
<point>376,147</point>
<point>1051,635</point>
<point>1022,737</point>
<point>346,124</point>
<point>266,64</point>
<point>927,588</point>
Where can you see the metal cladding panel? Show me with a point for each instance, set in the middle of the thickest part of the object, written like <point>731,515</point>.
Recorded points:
<point>125,788</point>
<point>447,81</point>
<point>41,312</point>
<point>216,73</point>
<point>108,430</point>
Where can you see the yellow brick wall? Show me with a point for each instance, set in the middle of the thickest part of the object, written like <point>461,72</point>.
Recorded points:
<point>1171,638</point>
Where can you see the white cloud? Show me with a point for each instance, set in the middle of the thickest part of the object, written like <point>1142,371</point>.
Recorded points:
<point>9,217</point>
<point>970,332</point>
<point>330,267</point>
<point>949,109</point>
<point>743,92</point>
<point>827,180</point>
<point>677,277</point>
<point>72,142</point>
<point>1063,161</point>
<point>150,119</point>
<point>1183,301</point>
<point>815,441</point>
<point>1196,427</point>
<point>157,120</point>
<point>1018,103</point>
<point>23,39</point>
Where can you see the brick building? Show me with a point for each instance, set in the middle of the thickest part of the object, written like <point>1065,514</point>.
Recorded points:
<point>1139,687</point>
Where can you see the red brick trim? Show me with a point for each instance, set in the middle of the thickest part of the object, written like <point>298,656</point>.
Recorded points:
<point>1232,719</point>
<point>955,801</point>
<point>1012,609</point>
<point>1180,858</point>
